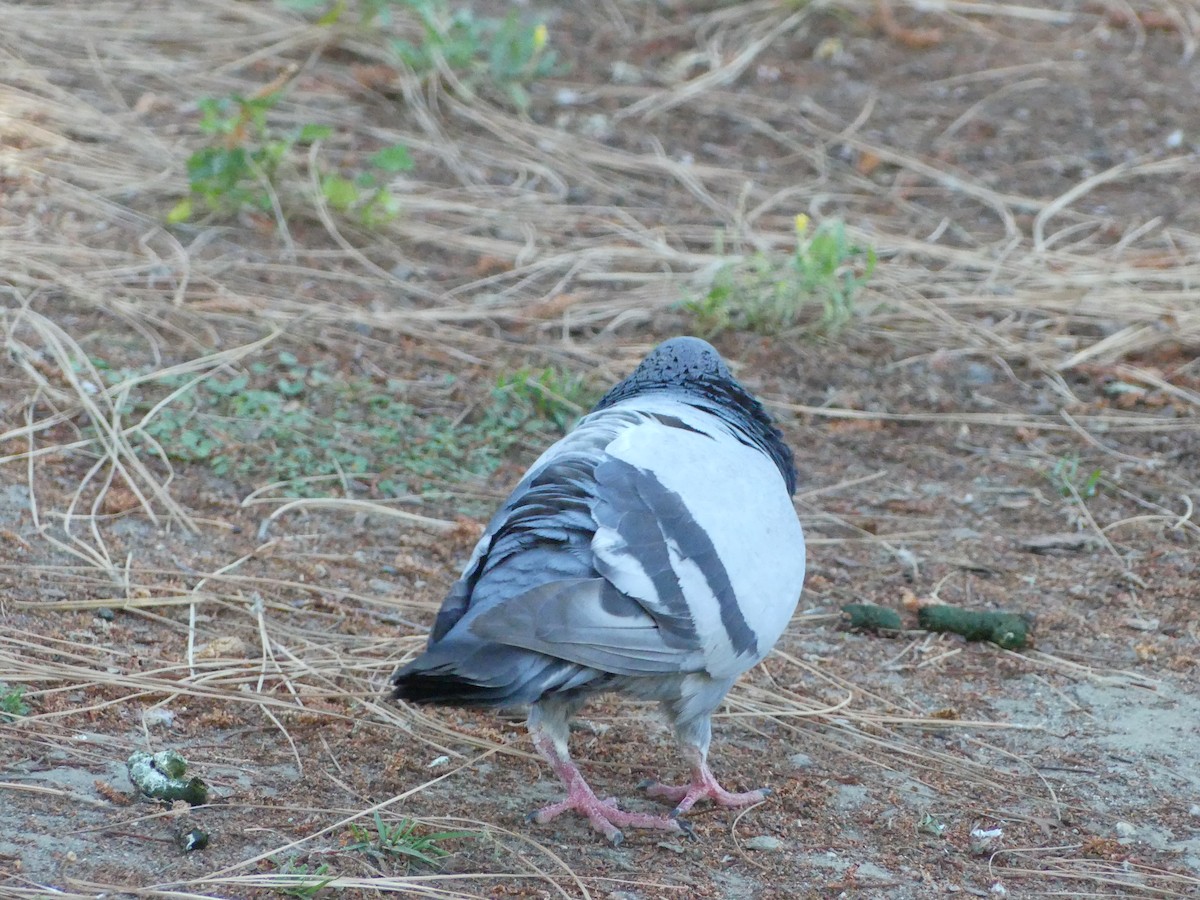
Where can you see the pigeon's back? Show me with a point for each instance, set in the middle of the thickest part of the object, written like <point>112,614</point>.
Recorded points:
<point>654,544</point>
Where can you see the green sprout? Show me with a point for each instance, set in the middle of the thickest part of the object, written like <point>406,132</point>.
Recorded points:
<point>766,295</point>
<point>402,839</point>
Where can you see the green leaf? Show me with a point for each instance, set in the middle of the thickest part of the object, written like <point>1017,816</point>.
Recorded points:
<point>392,159</point>
<point>290,388</point>
<point>180,212</point>
<point>340,192</point>
<point>335,13</point>
<point>310,133</point>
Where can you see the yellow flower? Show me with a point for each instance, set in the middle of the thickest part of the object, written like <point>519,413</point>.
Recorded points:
<point>801,223</point>
<point>539,37</point>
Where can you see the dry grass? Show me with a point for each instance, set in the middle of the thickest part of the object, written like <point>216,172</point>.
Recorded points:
<point>494,250</point>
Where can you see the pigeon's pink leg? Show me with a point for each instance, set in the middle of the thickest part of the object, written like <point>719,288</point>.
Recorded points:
<point>704,786</point>
<point>603,815</point>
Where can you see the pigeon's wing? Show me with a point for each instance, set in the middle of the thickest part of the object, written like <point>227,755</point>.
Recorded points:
<point>543,531</point>
<point>590,623</point>
<point>661,596</point>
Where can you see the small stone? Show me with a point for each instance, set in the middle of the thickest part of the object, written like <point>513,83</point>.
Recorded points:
<point>624,73</point>
<point>1125,830</point>
<point>668,845</point>
<point>978,374</point>
<point>801,761</point>
<point>763,842</point>
<point>1195,810</point>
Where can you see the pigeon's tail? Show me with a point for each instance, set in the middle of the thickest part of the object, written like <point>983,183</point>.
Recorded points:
<point>486,675</point>
<point>446,689</point>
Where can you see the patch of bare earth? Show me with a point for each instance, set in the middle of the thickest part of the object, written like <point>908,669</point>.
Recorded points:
<point>1010,422</point>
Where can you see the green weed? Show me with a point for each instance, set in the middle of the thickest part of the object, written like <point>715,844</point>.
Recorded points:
<point>366,196</point>
<point>1069,480</point>
<point>301,887</point>
<point>766,295</point>
<point>282,420</point>
<point>501,54</point>
<point>402,840</point>
<point>496,55</point>
<point>238,169</point>
<point>546,394</point>
<point>370,12</point>
<point>12,703</point>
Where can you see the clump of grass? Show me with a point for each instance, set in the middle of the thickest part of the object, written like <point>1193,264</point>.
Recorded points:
<point>282,420</point>
<point>402,840</point>
<point>12,703</point>
<point>766,294</point>
<point>548,395</point>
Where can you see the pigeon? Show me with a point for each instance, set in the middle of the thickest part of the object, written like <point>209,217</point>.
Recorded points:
<point>655,551</point>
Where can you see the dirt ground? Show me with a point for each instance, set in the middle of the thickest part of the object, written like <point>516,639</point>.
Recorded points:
<point>1010,420</point>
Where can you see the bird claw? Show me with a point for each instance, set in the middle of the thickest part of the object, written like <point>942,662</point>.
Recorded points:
<point>606,817</point>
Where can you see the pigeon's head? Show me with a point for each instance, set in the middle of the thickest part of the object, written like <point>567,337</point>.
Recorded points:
<point>693,371</point>
<point>681,362</point>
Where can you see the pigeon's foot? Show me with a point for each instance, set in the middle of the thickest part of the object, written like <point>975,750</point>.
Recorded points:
<point>604,815</point>
<point>704,786</point>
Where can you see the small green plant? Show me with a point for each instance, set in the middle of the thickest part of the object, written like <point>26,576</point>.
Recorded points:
<point>370,12</point>
<point>282,420</point>
<point>547,394</point>
<point>766,295</point>
<point>238,168</point>
<point>1069,481</point>
<point>366,196</point>
<point>401,839</point>
<point>505,54</point>
<point>302,886</point>
<point>12,703</point>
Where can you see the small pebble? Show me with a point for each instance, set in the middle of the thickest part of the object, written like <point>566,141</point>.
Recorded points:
<point>763,842</point>
<point>978,374</point>
<point>801,760</point>
<point>1125,830</point>
<point>158,716</point>
<point>1195,810</point>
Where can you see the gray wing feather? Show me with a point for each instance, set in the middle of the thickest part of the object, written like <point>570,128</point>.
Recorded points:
<point>589,622</point>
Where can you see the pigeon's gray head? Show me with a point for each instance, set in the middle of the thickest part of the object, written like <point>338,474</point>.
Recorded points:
<point>681,362</point>
<point>693,371</point>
